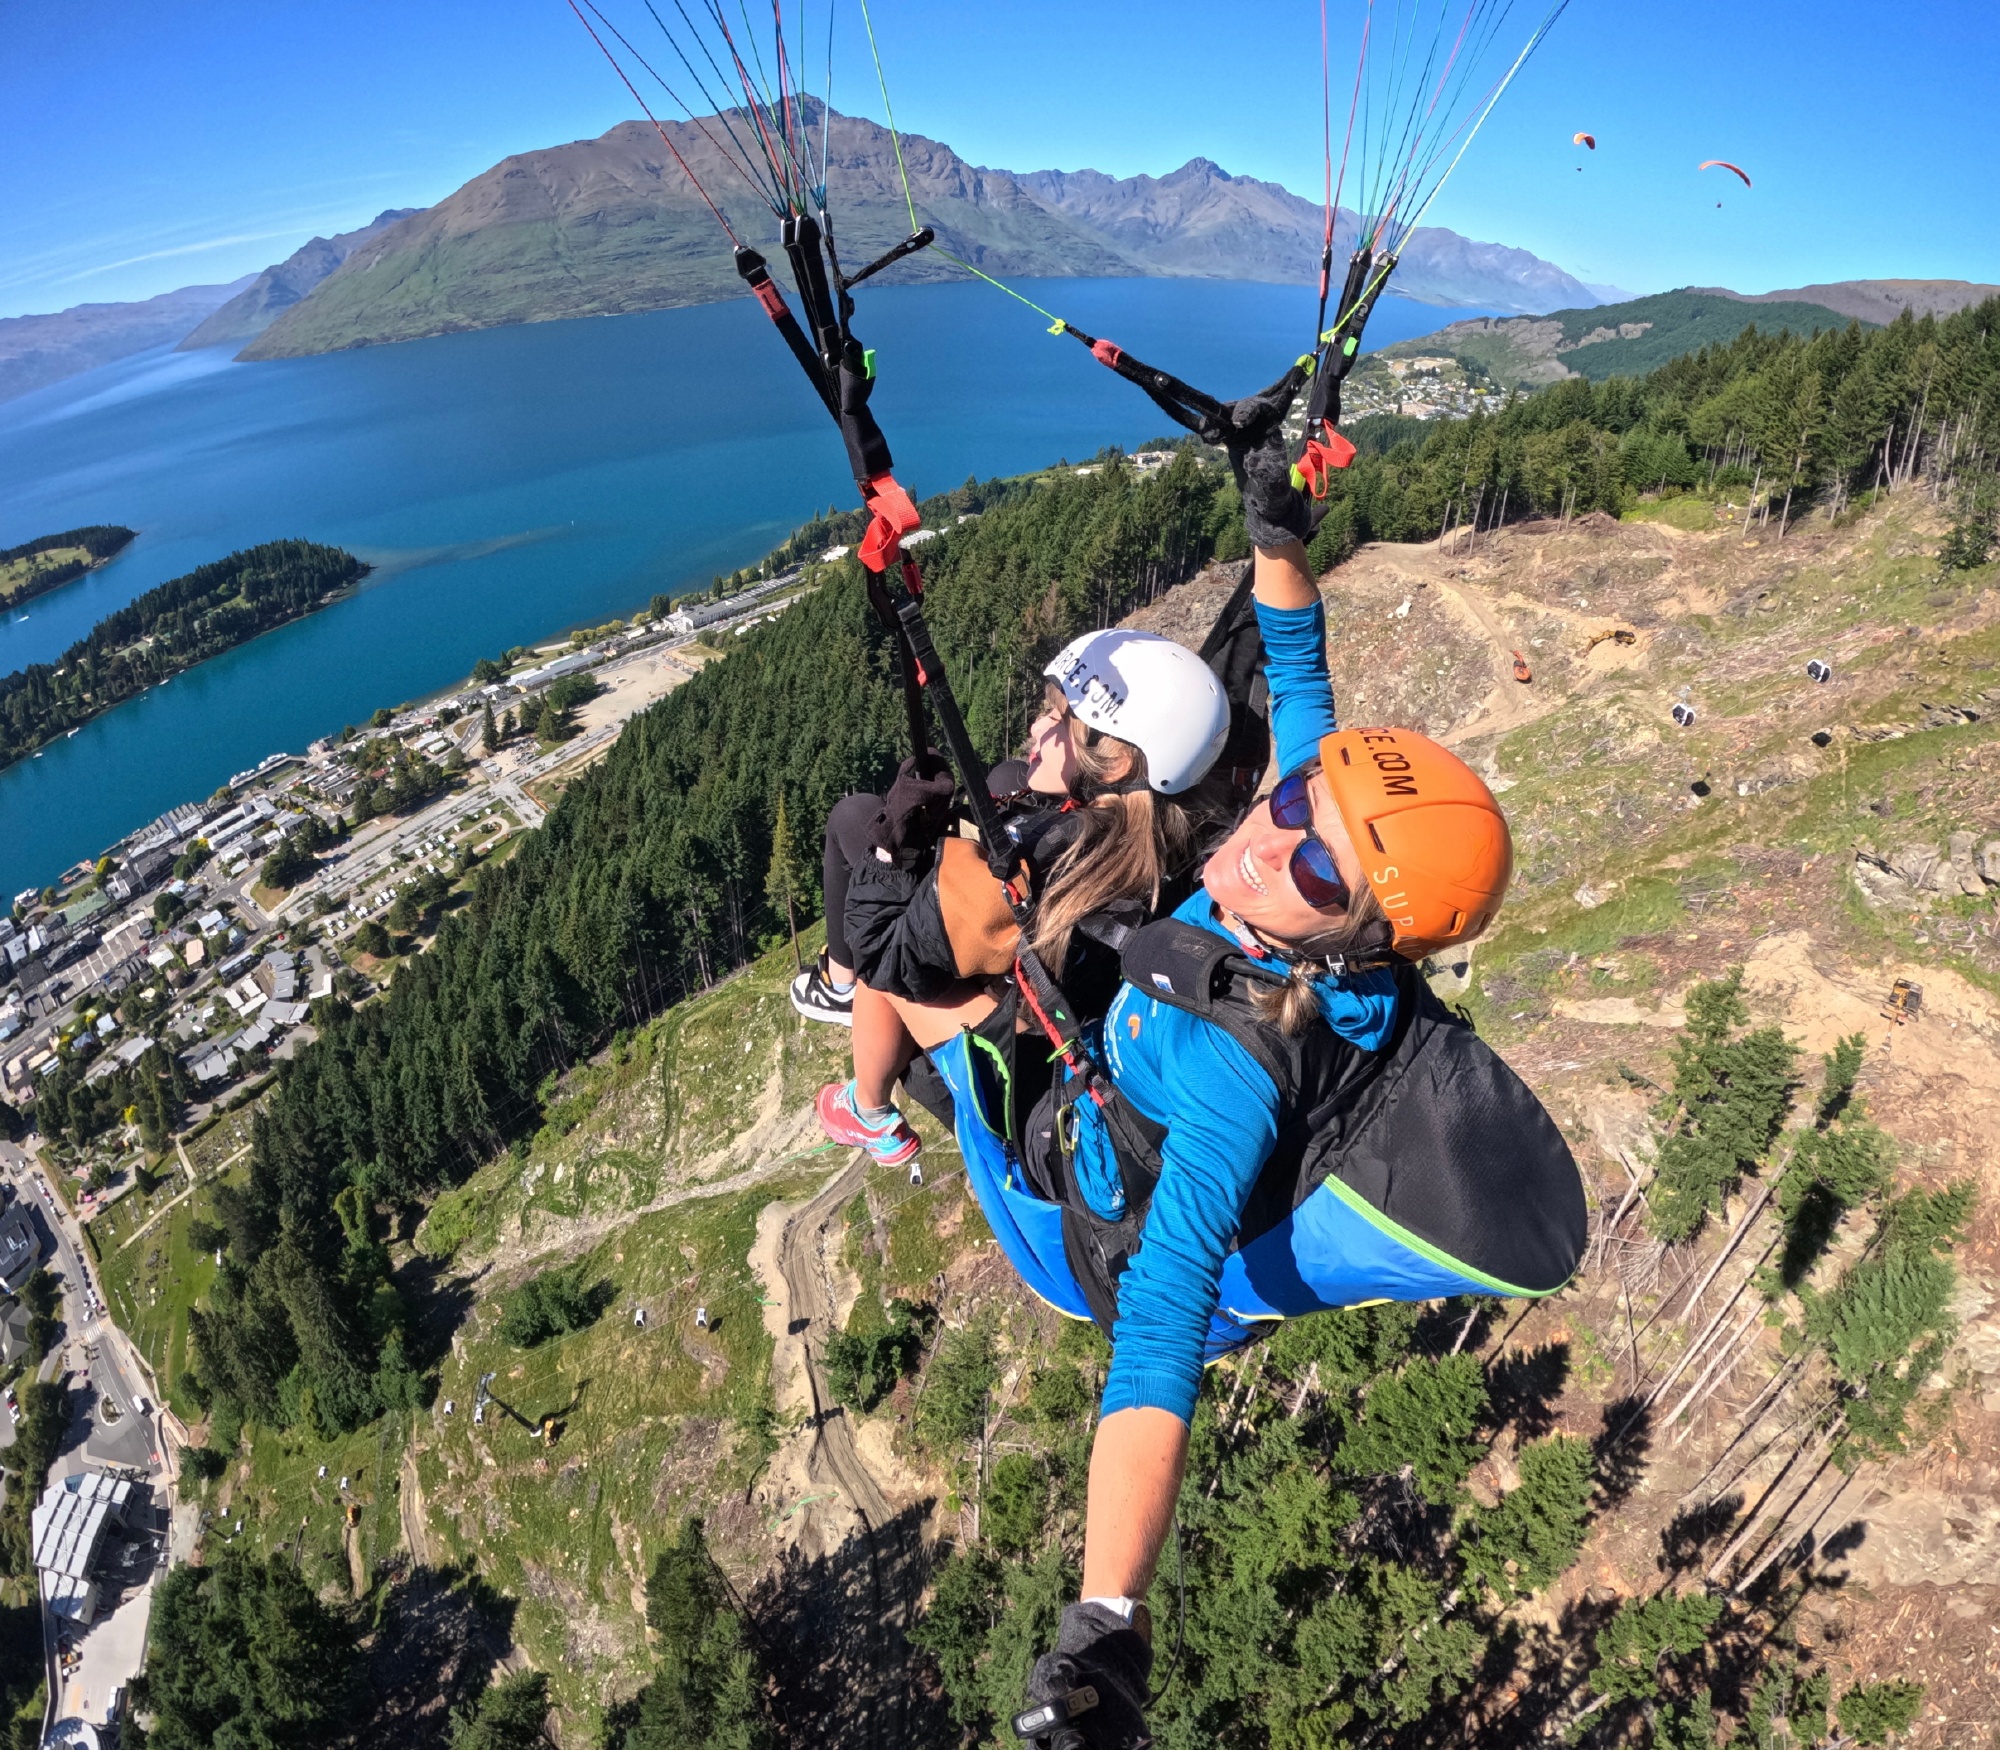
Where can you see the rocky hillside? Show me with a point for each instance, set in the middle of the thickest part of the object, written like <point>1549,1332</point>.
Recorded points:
<point>1828,839</point>
<point>599,227</point>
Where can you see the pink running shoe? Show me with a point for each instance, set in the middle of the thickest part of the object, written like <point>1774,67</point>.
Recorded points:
<point>893,1144</point>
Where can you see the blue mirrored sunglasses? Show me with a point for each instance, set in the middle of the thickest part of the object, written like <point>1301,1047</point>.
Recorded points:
<point>1313,870</point>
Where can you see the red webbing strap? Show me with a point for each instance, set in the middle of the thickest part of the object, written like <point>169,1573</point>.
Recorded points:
<point>1039,992</point>
<point>1313,471</point>
<point>894,517</point>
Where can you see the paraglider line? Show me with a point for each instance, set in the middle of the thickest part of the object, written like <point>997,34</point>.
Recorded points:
<point>741,163</point>
<point>714,102</point>
<point>657,128</point>
<point>888,109</point>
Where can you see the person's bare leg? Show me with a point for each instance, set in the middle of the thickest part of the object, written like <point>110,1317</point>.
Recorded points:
<point>890,1031</point>
<point>883,1048</point>
<point>931,1024</point>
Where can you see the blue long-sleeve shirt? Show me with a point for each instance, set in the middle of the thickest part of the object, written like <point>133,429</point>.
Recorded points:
<point>1220,1108</point>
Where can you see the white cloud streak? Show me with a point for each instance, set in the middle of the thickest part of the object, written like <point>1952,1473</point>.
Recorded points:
<point>201,248</point>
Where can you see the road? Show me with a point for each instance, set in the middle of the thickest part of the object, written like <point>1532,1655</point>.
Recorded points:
<point>809,1297</point>
<point>95,1349</point>
<point>877,1691</point>
<point>92,1345</point>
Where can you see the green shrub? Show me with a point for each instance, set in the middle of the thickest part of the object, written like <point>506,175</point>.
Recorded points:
<point>553,1304</point>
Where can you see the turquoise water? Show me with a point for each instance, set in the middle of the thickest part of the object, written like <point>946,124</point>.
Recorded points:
<point>510,484</point>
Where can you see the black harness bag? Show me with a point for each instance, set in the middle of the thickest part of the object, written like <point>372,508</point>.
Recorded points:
<point>1433,1131</point>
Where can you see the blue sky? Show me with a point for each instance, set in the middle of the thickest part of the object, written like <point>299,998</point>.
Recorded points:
<point>149,147</point>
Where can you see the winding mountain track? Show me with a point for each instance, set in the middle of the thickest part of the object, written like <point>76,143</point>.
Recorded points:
<point>833,1462</point>
<point>833,1457</point>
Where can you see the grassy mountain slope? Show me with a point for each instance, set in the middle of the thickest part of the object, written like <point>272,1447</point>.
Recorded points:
<point>604,226</point>
<point>283,284</point>
<point>1611,340</point>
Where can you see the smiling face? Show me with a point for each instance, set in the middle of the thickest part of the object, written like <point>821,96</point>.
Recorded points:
<point>1051,750</point>
<point>1250,875</point>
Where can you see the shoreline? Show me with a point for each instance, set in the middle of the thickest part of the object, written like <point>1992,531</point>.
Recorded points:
<point>67,729</point>
<point>35,591</point>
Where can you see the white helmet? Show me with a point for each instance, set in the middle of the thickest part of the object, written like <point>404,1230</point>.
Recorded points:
<point>1152,692</point>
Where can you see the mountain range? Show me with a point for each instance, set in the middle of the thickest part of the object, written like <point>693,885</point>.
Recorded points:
<point>603,226</point>
<point>1880,301</point>
<point>612,225</point>
<point>39,350</point>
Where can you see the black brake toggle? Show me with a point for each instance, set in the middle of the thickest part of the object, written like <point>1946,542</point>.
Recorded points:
<point>1050,1717</point>
<point>916,240</point>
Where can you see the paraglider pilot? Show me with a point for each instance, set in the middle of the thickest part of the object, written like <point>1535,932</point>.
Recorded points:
<point>1328,1133</point>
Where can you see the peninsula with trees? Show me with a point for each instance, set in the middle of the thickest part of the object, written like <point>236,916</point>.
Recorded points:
<point>50,561</point>
<point>167,631</point>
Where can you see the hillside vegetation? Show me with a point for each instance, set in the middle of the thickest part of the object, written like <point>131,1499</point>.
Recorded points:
<point>167,631</point>
<point>1687,1498</point>
<point>1612,340</point>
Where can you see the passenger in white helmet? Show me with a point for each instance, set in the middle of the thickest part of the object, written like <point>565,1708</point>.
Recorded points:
<point>1131,724</point>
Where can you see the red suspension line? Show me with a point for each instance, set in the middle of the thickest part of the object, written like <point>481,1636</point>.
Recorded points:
<point>728,230</point>
<point>732,154</point>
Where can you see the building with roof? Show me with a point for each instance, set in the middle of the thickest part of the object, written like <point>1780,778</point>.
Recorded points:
<point>20,1247</point>
<point>68,1526</point>
<point>143,871</point>
<point>14,1320</point>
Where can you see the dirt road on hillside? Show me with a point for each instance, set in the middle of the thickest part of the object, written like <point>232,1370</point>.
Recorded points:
<point>832,1456</point>
<point>847,1588</point>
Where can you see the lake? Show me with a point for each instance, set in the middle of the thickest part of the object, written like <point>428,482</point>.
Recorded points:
<point>511,484</point>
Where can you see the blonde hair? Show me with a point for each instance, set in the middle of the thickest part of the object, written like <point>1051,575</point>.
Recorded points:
<point>1364,932</point>
<point>1129,844</point>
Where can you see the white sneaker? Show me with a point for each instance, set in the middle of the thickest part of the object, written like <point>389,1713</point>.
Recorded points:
<point>815,998</point>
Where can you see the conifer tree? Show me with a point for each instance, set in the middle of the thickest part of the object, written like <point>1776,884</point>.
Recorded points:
<point>785,881</point>
<point>243,1653</point>
<point>1887,1324</point>
<point>1840,1162</point>
<point>511,1714</point>
<point>708,1691</point>
<point>489,734</point>
<point>1725,1109</point>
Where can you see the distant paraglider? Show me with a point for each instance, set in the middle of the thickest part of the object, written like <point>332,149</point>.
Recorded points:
<point>1724,164</point>
<point>1589,140</point>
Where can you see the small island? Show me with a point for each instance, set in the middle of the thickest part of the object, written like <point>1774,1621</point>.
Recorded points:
<point>166,631</point>
<point>50,561</point>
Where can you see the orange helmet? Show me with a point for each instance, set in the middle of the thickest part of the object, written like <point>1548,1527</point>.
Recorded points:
<point>1431,839</point>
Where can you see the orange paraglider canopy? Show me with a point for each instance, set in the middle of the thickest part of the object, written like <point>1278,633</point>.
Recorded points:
<point>1589,140</point>
<point>1724,164</point>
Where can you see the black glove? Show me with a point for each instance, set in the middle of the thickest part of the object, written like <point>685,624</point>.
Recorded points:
<point>1274,510</point>
<point>916,811</point>
<point>1095,1649</point>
